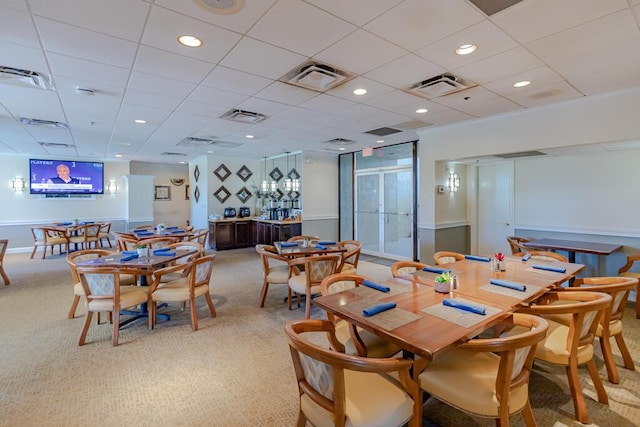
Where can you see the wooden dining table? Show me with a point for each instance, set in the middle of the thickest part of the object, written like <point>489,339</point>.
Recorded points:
<point>314,249</point>
<point>573,246</point>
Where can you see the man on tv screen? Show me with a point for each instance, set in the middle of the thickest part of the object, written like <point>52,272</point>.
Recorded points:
<point>63,176</point>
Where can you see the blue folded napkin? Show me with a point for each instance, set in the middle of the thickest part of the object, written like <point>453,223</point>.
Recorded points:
<point>128,257</point>
<point>549,268</point>
<point>370,311</point>
<point>144,233</point>
<point>87,222</point>
<point>526,257</point>
<point>377,287</point>
<point>177,231</point>
<point>164,253</point>
<point>436,270</point>
<point>64,223</point>
<point>162,249</point>
<point>129,252</point>
<point>477,309</point>
<point>322,248</point>
<point>172,228</point>
<point>288,244</point>
<point>508,284</point>
<point>326,242</point>
<point>477,258</point>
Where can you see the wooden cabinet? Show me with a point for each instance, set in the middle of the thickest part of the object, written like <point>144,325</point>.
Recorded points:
<point>241,234</point>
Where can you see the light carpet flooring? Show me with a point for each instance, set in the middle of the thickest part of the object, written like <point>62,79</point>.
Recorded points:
<point>235,371</point>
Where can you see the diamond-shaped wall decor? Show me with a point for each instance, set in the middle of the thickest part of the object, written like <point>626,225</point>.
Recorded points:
<point>293,195</point>
<point>275,174</point>
<point>222,172</point>
<point>244,173</point>
<point>293,174</point>
<point>277,194</point>
<point>196,173</point>
<point>196,194</point>
<point>222,194</point>
<point>244,194</point>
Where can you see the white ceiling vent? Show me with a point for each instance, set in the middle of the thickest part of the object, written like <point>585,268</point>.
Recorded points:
<point>340,142</point>
<point>206,141</point>
<point>55,144</point>
<point>243,116</point>
<point>43,123</point>
<point>316,76</point>
<point>441,85</point>
<point>20,77</point>
<point>170,153</point>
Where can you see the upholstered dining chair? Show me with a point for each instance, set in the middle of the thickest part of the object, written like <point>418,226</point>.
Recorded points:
<point>105,234</point>
<point>489,377</point>
<point>516,244</point>
<point>86,235</point>
<point>125,241</point>
<point>624,272</point>
<point>275,269</point>
<point>350,258</point>
<point>446,257</point>
<point>78,290</point>
<point>544,256</point>
<point>4,243</point>
<point>572,345</point>
<point>48,237</point>
<point>195,285</point>
<point>158,242</point>
<point>356,341</point>
<point>337,389</point>
<point>183,245</point>
<point>104,294</point>
<point>200,236</point>
<point>307,282</point>
<point>611,323</point>
<point>401,268</point>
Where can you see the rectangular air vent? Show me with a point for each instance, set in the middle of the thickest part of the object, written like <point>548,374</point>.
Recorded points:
<point>44,123</point>
<point>521,154</point>
<point>55,144</point>
<point>340,141</point>
<point>441,85</point>
<point>170,153</point>
<point>490,7</point>
<point>20,77</point>
<point>316,76</point>
<point>243,116</point>
<point>206,142</point>
<point>384,131</point>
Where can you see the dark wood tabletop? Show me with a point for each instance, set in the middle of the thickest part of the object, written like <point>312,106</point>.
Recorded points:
<point>299,250</point>
<point>573,246</point>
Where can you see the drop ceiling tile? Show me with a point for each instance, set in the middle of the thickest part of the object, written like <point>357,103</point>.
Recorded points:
<point>538,77</point>
<point>358,12</point>
<point>405,71</point>
<point>413,24</point>
<point>222,127</point>
<point>542,94</point>
<point>85,44</point>
<point>447,117</point>
<point>256,57</point>
<point>620,145</point>
<point>489,39</point>
<point>285,94</point>
<point>17,27</point>
<point>387,118</point>
<point>32,103</point>
<point>148,99</point>
<point>20,5</point>
<point>360,52</point>
<point>300,27</point>
<point>497,67</point>
<point>299,114</point>
<point>166,64</point>
<point>202,109</point>
<point>394,100</point>
<point>118,18</point>
<point>479,103</point>
<point>235,81</point>
<point>23,57</point>
<point>158,84</point>
<point>326,103</point>
<point>373,88</point>
<point>532,20</point>
<point>263,106</point>
<point>360,112</point>
<point>217,97</point>
<point>66,66</point>
<point>164,27</point>
<point>277,122</point>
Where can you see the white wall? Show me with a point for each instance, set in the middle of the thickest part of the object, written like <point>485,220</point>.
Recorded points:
<point>320,187</point>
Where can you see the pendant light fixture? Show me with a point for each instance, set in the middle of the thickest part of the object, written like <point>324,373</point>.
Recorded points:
<point>295,184</point>
<point>264,184</point>
<point>274,184</point>
<point>287,184</point>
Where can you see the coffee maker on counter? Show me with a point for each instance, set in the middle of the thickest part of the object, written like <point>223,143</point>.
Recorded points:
<point>273,209</point>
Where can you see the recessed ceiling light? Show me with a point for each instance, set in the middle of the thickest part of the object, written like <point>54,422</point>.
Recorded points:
<point>125,143</point>
<point>421,110</point>
<point>341,149</point>
<point>523,83</point>
<point>182,162</point>
<point>466,49</point>
<point>140,121</point>
<point>359,91</point>
<point>380,141</point>
<point>249,136</point>
<point>117,155</point>
<point>189,41</point>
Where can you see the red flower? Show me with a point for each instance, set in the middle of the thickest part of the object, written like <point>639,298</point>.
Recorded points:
<point>499,256</point>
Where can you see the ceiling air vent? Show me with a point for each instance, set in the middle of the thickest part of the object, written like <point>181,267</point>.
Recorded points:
<point>384,131</point>
<point>316,76</point>
<point>55,144</point>
<point>441,85</point>
<point>340,141</point>
<point>206,141</point>
<point>521,154</point>
<point>169,153</point>
<point>43,123</point>
<point>243,116</point>
<point>22,77</point>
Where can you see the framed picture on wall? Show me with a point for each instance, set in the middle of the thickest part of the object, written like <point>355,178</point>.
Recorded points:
<point>186,192</point>
<point>162,192</point>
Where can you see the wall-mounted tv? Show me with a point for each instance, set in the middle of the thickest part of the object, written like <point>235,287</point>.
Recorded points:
<point>56,177</point>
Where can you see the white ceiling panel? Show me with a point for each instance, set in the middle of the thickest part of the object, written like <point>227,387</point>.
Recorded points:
<point>405,71</point>
<point>541,94</point>
<point>16,56</point>
<point>236,81</point>
<point>373,88</point>
<point>167,64</point>
<point>106,75</point>
<point>358,12</point>
<point>505,64</point>
<point>285,94</point>
<point>538,77</point>
<point>217,97</point>
<point>478,102</point>
<point>157,84</point>
<point>17,27</point>
<point>255,57</point>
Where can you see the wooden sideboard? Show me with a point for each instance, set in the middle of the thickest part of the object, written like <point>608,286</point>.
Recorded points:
<point>232,233</point>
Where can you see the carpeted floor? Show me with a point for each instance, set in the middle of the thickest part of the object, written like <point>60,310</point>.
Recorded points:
<point>235,371</point>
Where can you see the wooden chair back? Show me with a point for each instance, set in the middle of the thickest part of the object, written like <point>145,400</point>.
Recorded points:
<point>446,257</point>
<point>158,242</point>
<point>125,241</point>
<point>301,237</point>
<point>516,244</point>
<point>401,268</point>
<point>544,256</point>
<point>200,236</point>
<point>4,243</point>
<point>352,255</point>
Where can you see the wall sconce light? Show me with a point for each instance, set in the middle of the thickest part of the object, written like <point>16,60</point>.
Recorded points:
<point>18,184</point>
<point>112,187</point>
<point>454,182</point>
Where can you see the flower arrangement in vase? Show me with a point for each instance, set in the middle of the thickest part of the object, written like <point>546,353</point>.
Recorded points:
<point>443,282</point>
<point>143,250</point>
<point>497,263</point>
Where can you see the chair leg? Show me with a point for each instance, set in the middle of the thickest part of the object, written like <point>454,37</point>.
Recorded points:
<point>609,361</point>
<point>626,356</point>
<point>35,248</point>
<point>74,305</point>
<point>151,306</point>
<point>307,307</point>
<point>263,292</point>
<point>597,382</point>
<point>527,413</point>
<point>194,315</point>
<point>289,296</point>
<point>302,419</point>
<point>210,303</point>
<point>85,328</point>
<point>576,392</point>
<point>4,276</point>
<point>116,325</point>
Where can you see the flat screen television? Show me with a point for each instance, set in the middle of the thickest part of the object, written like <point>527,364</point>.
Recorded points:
<point>58,177</point>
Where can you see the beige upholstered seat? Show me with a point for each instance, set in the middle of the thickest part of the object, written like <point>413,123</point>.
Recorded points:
<point>358,341</point>
<point>516,244</point>
<point>275,269</point>
<point>489,377</point>
<point>86,235</point>
<point>446,257</point>
<point>105,234</point>
<point>158,242</point>
<point>624,272</point>
<point>341,390</point>
<point>349,260</point>
<point>401,268</point>
<point>188,288</point>
<point>48,237</point>
<point>572,345</point>
<point>611,322</point>
<point>78,290</point>
<point>544,256</point>
<point>104,294</point>
<point>188,245</point>
<point>4,243</point>
<point>307,282</point>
